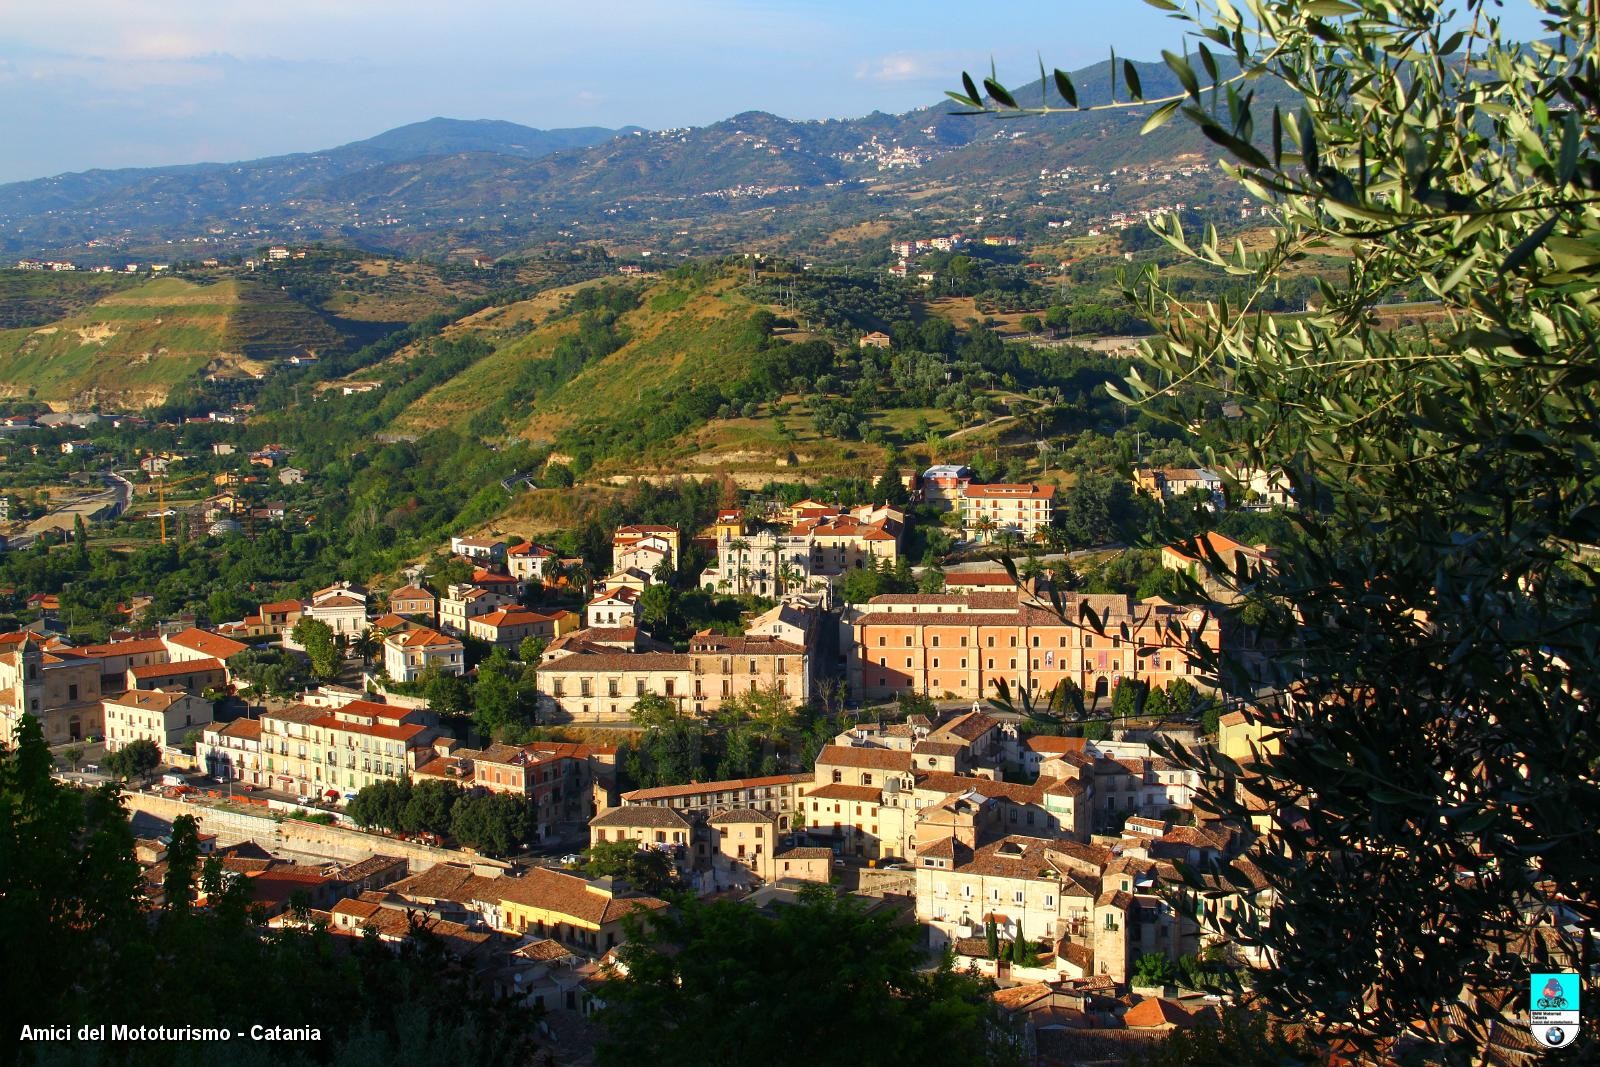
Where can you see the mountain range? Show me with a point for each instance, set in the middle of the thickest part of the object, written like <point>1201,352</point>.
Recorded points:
<point>447,183</point>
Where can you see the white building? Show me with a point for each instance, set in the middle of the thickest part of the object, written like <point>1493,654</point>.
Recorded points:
<point>162,716</point>
<point>1023,509</point>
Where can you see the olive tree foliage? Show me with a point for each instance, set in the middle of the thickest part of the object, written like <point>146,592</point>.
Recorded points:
<point>1435,605</point>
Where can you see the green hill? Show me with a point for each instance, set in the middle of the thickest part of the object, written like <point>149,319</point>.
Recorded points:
<point>132,347</point>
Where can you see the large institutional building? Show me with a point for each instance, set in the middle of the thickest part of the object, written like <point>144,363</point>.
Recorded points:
<point>959,646</point>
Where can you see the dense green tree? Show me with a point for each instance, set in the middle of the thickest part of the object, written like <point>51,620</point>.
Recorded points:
<point>429,807</point>
<point>448,694</point>
<point>1438,621</point>
<point>498,698</point>
<point>709,981</point>
<point>70,903</point>
<point>496,824</point>
<point>648,870</point>
<point>136,759</point>
<point>316,637</point>
<point>1154,969</point>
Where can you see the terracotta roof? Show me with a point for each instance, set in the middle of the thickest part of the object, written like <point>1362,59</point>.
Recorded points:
<point>512,617</point>
<point>944,784</point>
<point>669,792</point>
<point>1013,856</point>
<point>618,661</point>
<point>968,727</point>
<point>442,881</point>
<point>411,592</point>
<point>738,815</point>
<point>147,699</point>
<point>402,732</point>
<point>839,791</point>
<point>641,815</point>
<point>563,894</point>
<point>117,648</point>
<point>1042,743</point>
<point>421,638</point>
<point>546,951</point>
<point>339,600</point>
<point>806,854</point>
<point>244,729</point>
<point>300,713</point>
<point>937,748</point>
<point>169,670</point>
<point>1008,491</point>
<point>1157,1011</point>
<point>881,759</point>
<point>208,644</point>
<point>1019,997</point>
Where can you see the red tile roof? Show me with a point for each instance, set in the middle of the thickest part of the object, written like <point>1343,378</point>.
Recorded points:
<point>170,670</point>
<point>1157,1011</point>
<point>209,644</point>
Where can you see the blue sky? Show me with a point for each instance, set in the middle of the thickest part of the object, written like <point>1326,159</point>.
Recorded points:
<point>112,83</point>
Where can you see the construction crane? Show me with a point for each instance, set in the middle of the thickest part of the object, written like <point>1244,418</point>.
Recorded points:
<point>161,495</point>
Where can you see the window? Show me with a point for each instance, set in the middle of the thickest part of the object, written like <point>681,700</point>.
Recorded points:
<point>1017,896</point>
<point>936,661</point>
<point>838,776</point>
<point>866,779</point>
<point>613,688</point>
<point>935,640</point>
<point>908,640</point>
<point>1049,900</point>
<point>991,640</point>
<point>882,641</point>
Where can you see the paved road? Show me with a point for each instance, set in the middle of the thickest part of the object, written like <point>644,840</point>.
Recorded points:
<point>108,503</point>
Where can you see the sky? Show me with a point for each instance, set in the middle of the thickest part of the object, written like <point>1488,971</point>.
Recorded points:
<point>118,83</point>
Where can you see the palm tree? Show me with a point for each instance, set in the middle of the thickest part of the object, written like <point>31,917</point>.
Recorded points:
<point>366,646</point>
<point>740,546</point>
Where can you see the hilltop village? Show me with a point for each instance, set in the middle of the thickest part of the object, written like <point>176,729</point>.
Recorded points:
<point>1049,861</point>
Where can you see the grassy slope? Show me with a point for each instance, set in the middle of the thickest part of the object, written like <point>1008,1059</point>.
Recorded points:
<point>137,343</point>
<point>134,345</point>
<point>678,337</point>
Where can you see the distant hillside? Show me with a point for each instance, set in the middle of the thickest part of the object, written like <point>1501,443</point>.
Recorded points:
<point>442,184</point>
<point>133,347</point>
<point>148,199</point>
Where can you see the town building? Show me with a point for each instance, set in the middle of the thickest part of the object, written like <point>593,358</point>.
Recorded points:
<point>315,751</point>
<point>529,562</point>
<point>961,646</point>
<point>778,795</point>
<point>342,606</point>
<point>62,692</point>
<point>1169,483</point>
<point>409,654</point>
<point>987,511</point>
<point>161,716</point>
<point>478,549</point>
<point>231,751</point>
<point>414,602</point>
<point>944,484</point>
<point>663,538</point>
<point>509,627</point>
<point>191,676</point>
<point>465,601</point>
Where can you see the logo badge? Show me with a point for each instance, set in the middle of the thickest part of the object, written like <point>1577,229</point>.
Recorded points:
<point>1553,1008</point>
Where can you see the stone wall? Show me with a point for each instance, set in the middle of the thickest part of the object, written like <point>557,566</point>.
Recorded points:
<point>232,825</point>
